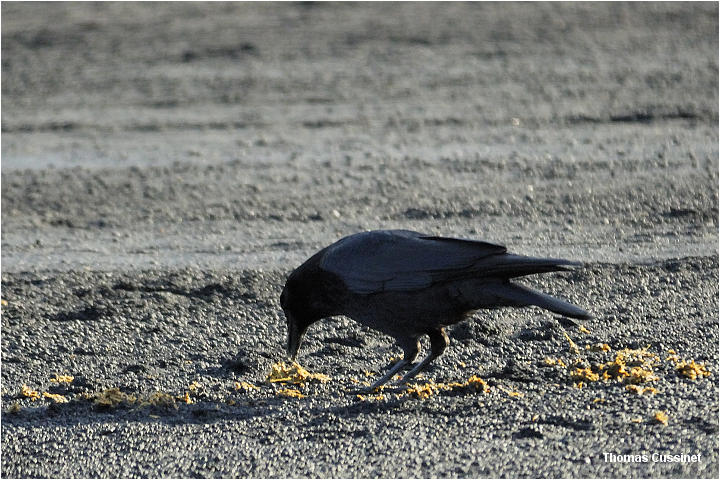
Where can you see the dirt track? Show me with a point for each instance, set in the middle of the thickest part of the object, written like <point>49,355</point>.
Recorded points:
<point>165,166</point>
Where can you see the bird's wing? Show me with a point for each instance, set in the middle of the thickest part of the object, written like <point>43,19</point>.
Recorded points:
<point>401,260</point>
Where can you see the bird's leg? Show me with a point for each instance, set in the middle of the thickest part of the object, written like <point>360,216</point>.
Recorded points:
<point>438,342</point>
<point>411,348</point>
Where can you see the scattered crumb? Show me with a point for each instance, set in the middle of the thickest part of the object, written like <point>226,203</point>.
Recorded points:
<point>194,386</point>
<point>636,420</point>
<point>112,397</point>
<point>290,392</point>
<point>28,392</point>
<point>186,398</point>
<point>3,302</point>
<point>62,379</point>
<point>584,330</point>
<point>554,361</point>
<point>379,396</point>
<point>478,383</point>
<point>641,375</point>
<point>573,347</point>
<point>599,400</point>
<point>598,347</point>
<point>431,388</point>
<point>245,386</point>
<point>661,417</point>
<point>641,390</point>
<point>691,369</point>
<point>423,391</point>
<point>55,397</point>
<point>293,373</point>
<point>510,392</point>
<point>585,374</point>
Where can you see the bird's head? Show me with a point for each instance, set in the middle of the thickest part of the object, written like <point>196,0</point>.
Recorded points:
<point>310,294</point>
<point>302,308</point>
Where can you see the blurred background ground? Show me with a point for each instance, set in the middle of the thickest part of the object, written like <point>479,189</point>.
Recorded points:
<point>165,165</point>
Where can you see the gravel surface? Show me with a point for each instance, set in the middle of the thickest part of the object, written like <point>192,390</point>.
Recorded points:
<point>166,165</point>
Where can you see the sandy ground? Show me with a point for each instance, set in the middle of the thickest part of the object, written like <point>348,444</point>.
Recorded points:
<point>164,167</point>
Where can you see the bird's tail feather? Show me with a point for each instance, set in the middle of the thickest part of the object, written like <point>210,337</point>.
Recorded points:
<point>511,266</point>
<point>521,295</point>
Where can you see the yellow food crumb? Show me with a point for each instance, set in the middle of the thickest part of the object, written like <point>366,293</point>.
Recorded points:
<point>245,386</point>
<point>186,398</point>
<point>113,397</point>
<point>598,347</point>
<point>290,392</point>
<point>585,374</point>
<point>62,379</point>
<point>661,417</point>
<point>579,385</point>
<point>554,361</point>
<point>599,400</point>
<point>573,347</point>
<point>478,383</point>
<point>3,302</point>
<point>639,361</point>
<point>293,373</point>
<point>691,369</point>
<point>57,398</point>
<point>671,351</point>
<point>584,330</point>
<point>535,418</point>
<point>423,391</point>
<point>379,396</point>
<point>30,393</point>
<point>194,386</point>
<point>431,388</point>
<point>636,420</point>
<point>640,390</point>
<point>641,375</point>
<point>369,373</point>
<point>510,392</point>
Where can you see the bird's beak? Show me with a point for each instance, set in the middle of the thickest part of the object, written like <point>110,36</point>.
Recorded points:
<point>294,337</point>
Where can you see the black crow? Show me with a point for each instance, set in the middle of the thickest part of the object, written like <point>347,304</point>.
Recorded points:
<point>407,284</point>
